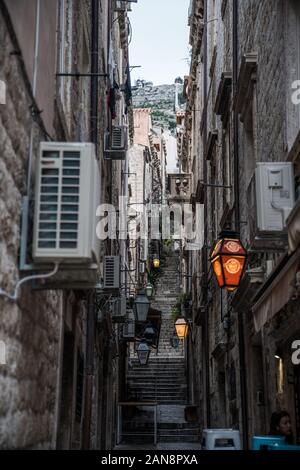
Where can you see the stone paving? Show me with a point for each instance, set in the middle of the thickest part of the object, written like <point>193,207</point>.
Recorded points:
<point>161,446</point>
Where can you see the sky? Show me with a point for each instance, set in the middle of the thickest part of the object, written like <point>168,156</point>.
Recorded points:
<point>160,40</point>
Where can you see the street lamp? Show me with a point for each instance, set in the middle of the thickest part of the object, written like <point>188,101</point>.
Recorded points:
<point>228,260</point>
<point>143,352</point>
<point>149,333</point>
<point>182,327</point>
<point>156,261</point>
<point>149,290</point>
<point>141,306</point>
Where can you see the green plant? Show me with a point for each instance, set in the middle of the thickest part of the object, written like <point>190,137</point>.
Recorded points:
<point>182,301</point>
<point>176,311</point>
<point>154,273</point>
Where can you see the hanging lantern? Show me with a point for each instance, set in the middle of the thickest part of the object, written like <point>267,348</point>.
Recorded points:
<point>149,290</point>
<point>228,260</point>
<point>143,352</point>
<point>182,327</point>
<point>156,262</point>
<point>141,306</point>
<point>149,333</point>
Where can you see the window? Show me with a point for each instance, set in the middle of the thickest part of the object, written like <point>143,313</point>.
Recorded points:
<point>250,149</point>
<point>226,165</point>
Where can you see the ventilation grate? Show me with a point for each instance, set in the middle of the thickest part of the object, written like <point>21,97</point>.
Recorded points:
<point>111,272</point>
<point>68,234</point>
<point>117,140</point>
<point>59,200</point>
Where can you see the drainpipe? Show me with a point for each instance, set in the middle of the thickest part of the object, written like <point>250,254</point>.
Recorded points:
<point>26,199</point>
<point>94,69</point>
<point>205,334</point>
<point>90,321</point>
<point>243,381</point>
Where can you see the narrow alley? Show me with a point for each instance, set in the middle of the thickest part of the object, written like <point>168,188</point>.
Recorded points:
<point>162,382</point>
<point>149,226</point>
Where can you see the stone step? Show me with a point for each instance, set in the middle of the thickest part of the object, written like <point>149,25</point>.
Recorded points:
<point>170,401</point>
<point>161,387</point>
<point>173,388</point>
<point>161,374</point>
<point>167,396</point>
<point>179,438</point>
<point>160,365</point>
<point>158,372</point>
<point>156,361</point>
<point>159,390</point>
<point>178,381</point>
<point>179,431</point>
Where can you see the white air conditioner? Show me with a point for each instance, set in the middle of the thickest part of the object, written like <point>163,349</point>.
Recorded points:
<point>116,143</point>
<point>118,138</point>
<point>111,272</point>
<point>124,5</point>
<point>118,310</point>
<point>142,267</point>
<point>67,194</point>
<point>275,196</point>
<point>120,6</point>
<point>129,326</point>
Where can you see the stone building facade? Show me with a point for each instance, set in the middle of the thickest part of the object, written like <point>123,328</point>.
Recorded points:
<point>240,113</point>
<point>147,187</point>
<point>60,380</point>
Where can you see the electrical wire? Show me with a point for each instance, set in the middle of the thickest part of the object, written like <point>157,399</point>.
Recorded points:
<point>14,296</point>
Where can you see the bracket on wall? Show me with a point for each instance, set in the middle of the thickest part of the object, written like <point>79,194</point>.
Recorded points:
<point>79,75</point>
<point>217,185</point>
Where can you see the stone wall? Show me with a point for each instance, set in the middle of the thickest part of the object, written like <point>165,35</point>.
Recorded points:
<point>267,133</point>
<point>30,328</point>
<point>45,332</point>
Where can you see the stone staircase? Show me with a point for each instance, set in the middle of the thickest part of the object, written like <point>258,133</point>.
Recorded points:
<point>164,379</point>
<point>172,426</point>
<point>167,290</point>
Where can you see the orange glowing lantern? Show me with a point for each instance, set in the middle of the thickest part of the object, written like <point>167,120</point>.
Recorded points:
<point>182,328</point>
<point>228,260</point>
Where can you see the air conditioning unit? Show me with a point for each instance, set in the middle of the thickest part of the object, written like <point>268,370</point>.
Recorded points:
<point>275,196</point>
<point>128,332</point>
<point>118,310</point>
<point>123,5</point>
<point>116,143</point>
<point>142,267</point>
<point>120,6</point>
<point>112,272</point>
<point>67,193</point>
<point>270,198</point>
